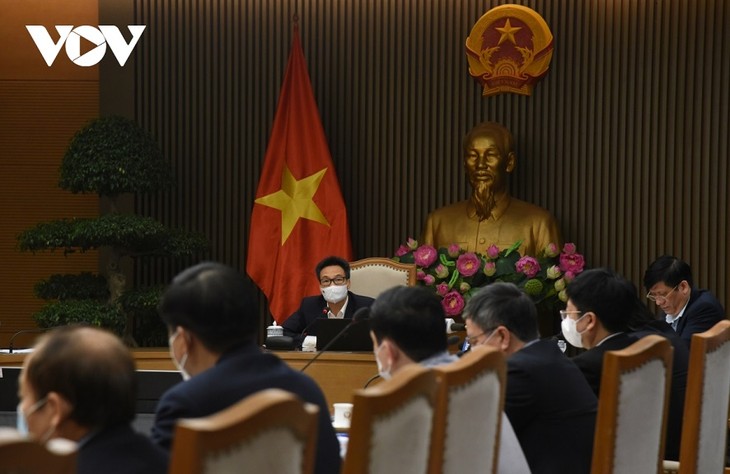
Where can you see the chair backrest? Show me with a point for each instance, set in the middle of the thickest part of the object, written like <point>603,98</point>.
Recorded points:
<point>705,427</point>
<point>390,430</point>
<point>22,455</point>
<point>271,431</point>
<point>372,276</point>
<point>632,408</point>
<point>468,414</point>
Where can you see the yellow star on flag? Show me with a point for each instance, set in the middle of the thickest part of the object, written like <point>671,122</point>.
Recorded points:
<point>294,200</point>
<point>508,32</point>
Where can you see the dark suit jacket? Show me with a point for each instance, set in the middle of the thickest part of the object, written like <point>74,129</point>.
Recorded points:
<point>239,373</point>
<point>590,362</point>
<point>313,307</point>
<point>120,450</point>
<point>552,409</point>
<point>703,311</point>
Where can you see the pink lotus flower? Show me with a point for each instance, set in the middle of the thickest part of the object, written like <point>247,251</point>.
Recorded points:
<point>551,250</point>
<point>569,248</point>
<point>468,264</point>
<point>490,268</point>
<point>572,262</point>
<point>420,275</point>
<point>425,255</point>
<point>453,250</point>
<point>569,276</point>
<point>528,265</point>
<point>441,271</point>
<point>453,303</point>
<point>442,289</point>
<point>493,251</point>
<point>429,280</point>
<point>412,243</point>
<point>402,250</point>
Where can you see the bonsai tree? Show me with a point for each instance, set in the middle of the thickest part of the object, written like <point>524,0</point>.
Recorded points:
<point>111,156</point>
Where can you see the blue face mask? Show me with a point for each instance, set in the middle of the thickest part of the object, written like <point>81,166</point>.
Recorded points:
<point>21,419</point>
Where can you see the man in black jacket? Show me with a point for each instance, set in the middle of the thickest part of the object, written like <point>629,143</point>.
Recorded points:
<point>335,301</point>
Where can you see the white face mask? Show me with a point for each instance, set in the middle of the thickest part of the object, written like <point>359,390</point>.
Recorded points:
<point>21,419</point>
<point>179,365</point>
<point>385,374</point>
<point>334,293</point>
<point>570,331</point>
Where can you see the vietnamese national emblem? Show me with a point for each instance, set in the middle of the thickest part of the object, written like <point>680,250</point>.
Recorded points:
<point>509,50</point>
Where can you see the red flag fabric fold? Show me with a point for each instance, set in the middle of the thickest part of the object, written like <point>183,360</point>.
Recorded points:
<point>299,216</point>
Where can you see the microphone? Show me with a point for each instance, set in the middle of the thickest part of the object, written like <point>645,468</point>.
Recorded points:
<point>360,315</point>
<point>25,331</point>
<point>452,326</point>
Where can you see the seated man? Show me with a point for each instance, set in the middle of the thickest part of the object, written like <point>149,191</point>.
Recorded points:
<point>79,383</point>
<point>336,301</point>
<point>491,215</point>
<point>212,318</point>
<point>548,401</point>
<point>604,313</point>
<point>689,310</point>
<point>407,325</point>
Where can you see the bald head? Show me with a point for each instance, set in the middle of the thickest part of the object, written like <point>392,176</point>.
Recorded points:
<point>91,369</point>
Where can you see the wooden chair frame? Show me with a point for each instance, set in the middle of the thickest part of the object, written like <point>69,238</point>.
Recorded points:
<point>411,382</point>
<point>407,269</point>
<point>615,363</point>
<point>272,408</point>
<point>478,362</point>
<point>702,344</point>
<point>21,455</point>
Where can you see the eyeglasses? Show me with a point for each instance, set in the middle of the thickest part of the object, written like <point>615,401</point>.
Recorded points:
<point>472,340</point>
<point>663,297</point>
<point>564,313</point>
<point>338,280</point>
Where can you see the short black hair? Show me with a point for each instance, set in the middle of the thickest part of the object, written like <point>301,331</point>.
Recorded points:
<point>503,304</point>
<point>669,270</point>
<point>330,261</point>
<point>413,318</point>
<point>215,302</point>
<point>91,368</point>
<point>610,296</point>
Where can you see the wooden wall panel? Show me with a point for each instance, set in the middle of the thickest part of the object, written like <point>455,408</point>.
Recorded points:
<point>41,108</point>
<point>625,140</point>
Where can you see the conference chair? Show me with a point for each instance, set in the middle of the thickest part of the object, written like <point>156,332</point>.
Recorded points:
<point>390,429</point>
<point>271,431</point>
<point>704,429</point>
<point>22,455</point>
<point>371,276</point>
<point>632,408</point>
<point>467,419</point>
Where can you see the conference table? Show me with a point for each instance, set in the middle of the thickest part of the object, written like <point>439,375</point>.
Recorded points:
<point>337,373</point>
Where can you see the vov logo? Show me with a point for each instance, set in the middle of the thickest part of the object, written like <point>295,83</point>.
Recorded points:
<point>71,37</point>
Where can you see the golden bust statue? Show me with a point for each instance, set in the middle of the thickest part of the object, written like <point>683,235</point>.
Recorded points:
<point>491,215</point>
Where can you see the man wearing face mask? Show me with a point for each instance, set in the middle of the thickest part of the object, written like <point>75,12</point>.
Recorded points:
<point>407,326</point>
<point>604,313</point>
<point>79,384</point>
<point>548,401</point>
<point>212,318</point>
<point>335,300</point>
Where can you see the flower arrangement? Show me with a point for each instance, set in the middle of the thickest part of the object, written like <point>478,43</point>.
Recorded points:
<point>455,274</point>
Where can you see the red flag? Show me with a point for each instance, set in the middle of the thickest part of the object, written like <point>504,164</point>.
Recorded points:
<point>299,216</point>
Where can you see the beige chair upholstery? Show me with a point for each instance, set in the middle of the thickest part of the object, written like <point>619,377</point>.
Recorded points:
<point>704,429</point>
<point>468,413</point>
<point>390,431</point>
<point>632,407</point>
<point>21,455</point>
<point>372,276</point>
<point>271,431</point>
